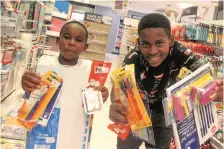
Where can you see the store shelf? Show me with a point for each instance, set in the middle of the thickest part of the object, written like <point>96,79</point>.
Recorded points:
<point>216,144</point>
<point>60,15</point>
<point>7,94</point>
<point>97,42</point>
<point>52,33</point>
<point>88,58</point>
<point>51,53</point>
<point>96,52</point>
<point>97,32</point>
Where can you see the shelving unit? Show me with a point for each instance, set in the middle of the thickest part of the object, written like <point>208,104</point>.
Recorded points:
<point>98,27</point>
<point>129,38</point>
<point>119,38</point>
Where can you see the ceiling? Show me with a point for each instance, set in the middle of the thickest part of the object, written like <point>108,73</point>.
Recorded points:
<point>146,6</point>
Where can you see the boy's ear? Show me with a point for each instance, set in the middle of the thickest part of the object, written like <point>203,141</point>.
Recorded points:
<point>171,40</point>
<point>57,40</point>
<point>138,41</point>
<point>86,46</point>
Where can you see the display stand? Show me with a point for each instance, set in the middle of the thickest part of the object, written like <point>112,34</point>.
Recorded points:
<point>98,27</point>
<point>119,38</point>
<point>129,39</point>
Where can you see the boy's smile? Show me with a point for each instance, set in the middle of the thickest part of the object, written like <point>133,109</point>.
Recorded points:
<point>154,44</point>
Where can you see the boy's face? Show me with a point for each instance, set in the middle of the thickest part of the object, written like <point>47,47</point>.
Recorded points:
<point>154,45</point>
<point>72,41</point>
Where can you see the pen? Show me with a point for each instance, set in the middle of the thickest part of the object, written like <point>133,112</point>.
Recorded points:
<point>211,111</point>
<point>207,115</point>
<point>204,121</point>
<point>200,121</point>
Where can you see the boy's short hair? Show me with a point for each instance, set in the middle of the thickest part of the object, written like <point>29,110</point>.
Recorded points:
<point>75,22</point>
<point>155,20</point>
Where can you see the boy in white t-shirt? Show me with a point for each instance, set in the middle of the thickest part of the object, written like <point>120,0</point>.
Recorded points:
<point>75,73</point>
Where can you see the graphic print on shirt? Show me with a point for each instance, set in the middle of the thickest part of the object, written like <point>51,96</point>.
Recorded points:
<point>152,93</point>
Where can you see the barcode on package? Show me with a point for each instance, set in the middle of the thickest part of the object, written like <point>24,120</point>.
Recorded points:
<point>40,146</point>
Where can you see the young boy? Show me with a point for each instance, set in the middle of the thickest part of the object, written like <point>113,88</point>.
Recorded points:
<point>72,41</point>
<point>157,64</point>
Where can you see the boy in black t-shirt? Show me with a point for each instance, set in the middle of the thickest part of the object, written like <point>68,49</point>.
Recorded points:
<point>157,65</point>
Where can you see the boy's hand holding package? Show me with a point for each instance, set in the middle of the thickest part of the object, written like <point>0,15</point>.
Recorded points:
<point>118,112</point>
<point>31,81</point>
<point>219,90</point>
<point>104,92</point>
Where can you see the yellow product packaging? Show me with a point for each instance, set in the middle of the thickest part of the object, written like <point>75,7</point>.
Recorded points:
<point>126,89</point>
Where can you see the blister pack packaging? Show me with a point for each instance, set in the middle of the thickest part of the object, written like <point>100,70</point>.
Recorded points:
<point>92,99</point>
<point>190,109</point>
<point>37,101</point>
<point>125,87</point>
<point>124,81</point>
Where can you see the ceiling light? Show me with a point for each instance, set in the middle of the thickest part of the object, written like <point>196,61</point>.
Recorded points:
<point>184,5</point>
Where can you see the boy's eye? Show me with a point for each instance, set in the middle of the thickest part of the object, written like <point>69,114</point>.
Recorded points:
<point>67,37</point>
<point>145,44</point>
<point>159,44</point>
<point>79,40</point>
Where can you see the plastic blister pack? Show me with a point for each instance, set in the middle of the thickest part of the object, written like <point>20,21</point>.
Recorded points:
<point>192,113</point>
<point>92,100</point>
<point>37,101</point>
<point>129,95</point>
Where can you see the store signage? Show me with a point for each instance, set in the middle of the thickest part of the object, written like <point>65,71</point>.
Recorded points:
<point>190,11</point>
<point>120,7</point>
<point>136,16</point>
<point>93,17</point>
<point>97,18</point>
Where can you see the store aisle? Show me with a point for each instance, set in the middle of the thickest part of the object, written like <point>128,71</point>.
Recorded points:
<point>102,137</point>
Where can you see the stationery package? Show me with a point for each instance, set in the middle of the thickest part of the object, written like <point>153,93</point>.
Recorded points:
<point>39,103</point>
<point>92,99</point>
<point>189,107</point>
<point>139,121</point>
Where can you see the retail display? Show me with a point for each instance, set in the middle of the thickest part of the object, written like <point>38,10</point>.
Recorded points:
<point>129,38</point>
<point>119,37</point>
<point>98,27</point>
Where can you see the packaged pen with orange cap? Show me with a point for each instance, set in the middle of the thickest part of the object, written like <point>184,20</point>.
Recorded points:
<point>126,89</point>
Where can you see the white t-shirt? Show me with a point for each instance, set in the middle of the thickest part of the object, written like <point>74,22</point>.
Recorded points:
<point>72,117</point>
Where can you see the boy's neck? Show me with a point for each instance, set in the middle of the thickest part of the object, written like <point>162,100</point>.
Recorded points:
<point>64,61</point>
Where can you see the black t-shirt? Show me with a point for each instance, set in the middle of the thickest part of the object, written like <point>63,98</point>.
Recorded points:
<point>152,82</point>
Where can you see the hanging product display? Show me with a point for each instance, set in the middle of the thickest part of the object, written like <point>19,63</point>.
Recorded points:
<point>98,27</point>
<point>189,107</point>
<point>120,7</point>
<point>119,37</point>
<point>129,38</point>
<point>212,34</point>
